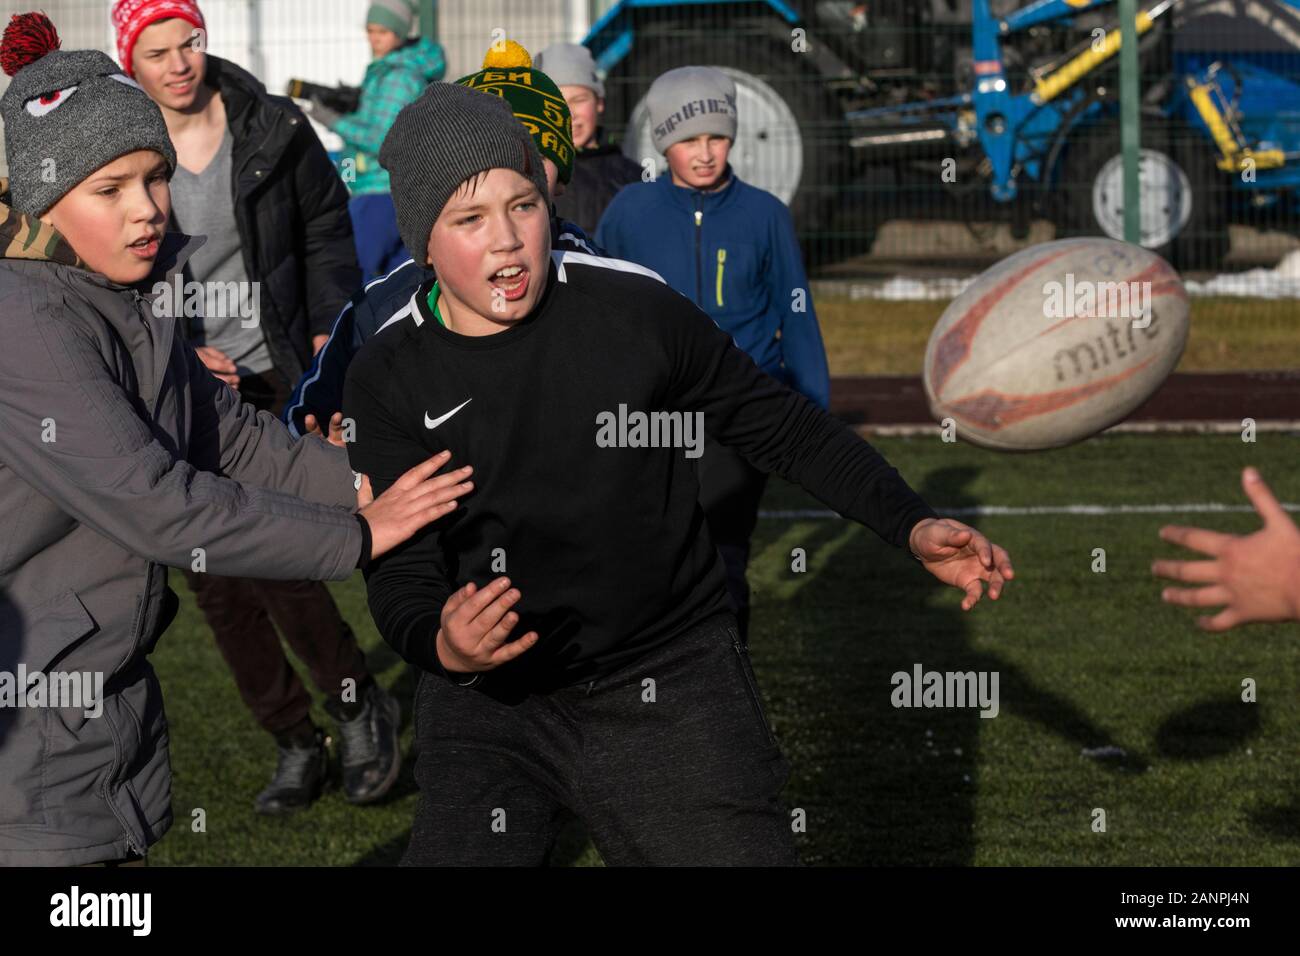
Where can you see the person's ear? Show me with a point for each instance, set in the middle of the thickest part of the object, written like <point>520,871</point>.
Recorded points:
<point>600,105</point>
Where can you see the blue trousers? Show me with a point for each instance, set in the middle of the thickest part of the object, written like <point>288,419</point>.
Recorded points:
<point>374,228</point>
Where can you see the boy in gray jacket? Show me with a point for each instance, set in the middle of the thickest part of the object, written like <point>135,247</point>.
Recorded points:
<point>120,455</point>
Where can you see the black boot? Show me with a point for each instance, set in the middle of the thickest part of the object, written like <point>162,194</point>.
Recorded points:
<point>368,746</point>
<point>300,773</point>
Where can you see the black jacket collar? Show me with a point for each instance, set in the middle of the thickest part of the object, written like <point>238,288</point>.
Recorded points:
<point>262,125</point>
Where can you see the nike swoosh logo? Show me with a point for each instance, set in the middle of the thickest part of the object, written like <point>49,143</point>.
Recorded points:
<point>435,422</point>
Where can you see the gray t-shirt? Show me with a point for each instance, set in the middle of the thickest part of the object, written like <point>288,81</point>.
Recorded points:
<point>204,206</point>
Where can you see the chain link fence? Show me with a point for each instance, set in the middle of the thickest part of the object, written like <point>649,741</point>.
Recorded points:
<point>904,143</point>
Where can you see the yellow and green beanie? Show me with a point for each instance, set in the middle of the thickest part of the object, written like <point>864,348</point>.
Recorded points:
<point>533,96</point>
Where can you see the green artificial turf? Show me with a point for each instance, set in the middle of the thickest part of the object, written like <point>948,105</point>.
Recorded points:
<point>1085,660</point>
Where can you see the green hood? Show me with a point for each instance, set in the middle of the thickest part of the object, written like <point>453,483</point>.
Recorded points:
<point>24,237</point>
<point>422,57</point>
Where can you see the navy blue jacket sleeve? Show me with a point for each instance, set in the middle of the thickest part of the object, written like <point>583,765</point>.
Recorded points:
<point>320,391</point>
<point>608,229</point>
<point>802,353</point>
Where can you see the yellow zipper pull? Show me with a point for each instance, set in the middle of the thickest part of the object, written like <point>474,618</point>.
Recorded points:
<point>722,258</point>
<point>699,214</point>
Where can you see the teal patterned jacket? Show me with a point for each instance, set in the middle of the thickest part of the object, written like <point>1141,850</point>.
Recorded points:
<point>391,83</point>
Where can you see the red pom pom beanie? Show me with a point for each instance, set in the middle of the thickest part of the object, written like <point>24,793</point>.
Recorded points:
<point>131,16</point>
<point>67,113</point>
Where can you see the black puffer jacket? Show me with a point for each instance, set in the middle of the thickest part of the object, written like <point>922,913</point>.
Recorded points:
<point>599,172</point>
<point>291,208</point>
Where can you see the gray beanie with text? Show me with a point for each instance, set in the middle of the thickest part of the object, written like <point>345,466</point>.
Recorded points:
<point>689,101</point>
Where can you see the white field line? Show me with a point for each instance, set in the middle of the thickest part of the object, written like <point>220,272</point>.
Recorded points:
<point>912,430</point>
<point>1014,511</point>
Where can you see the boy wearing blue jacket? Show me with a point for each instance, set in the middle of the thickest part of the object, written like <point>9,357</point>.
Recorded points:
<point>731,248</point>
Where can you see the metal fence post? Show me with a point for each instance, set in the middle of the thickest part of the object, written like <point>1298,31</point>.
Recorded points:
<point>429,19</point>
<point>1130,130</point>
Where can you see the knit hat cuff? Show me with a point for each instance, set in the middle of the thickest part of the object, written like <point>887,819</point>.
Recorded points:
<point>131,17</point>
<point>385,16</point>
<point>448,135</point>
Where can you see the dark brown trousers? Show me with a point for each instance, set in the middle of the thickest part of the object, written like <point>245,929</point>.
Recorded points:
<point>245,612</point>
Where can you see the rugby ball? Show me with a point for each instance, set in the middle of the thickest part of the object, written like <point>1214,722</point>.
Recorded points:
<point>1055,344</point>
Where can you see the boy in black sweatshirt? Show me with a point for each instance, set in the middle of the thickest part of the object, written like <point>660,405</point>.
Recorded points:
<point>571,619</point>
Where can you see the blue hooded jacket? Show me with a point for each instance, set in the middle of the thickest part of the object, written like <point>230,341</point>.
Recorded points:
<point>734,253</point>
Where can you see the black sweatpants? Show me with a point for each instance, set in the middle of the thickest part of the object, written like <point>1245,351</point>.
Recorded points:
<point>668,760</point>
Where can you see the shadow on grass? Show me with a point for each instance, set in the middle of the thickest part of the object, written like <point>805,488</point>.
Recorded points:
<point>897,786</point>
<point>1213,728</point>
<point>1278,822</point>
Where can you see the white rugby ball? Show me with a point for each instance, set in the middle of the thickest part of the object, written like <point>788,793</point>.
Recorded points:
<point>1056,343</point>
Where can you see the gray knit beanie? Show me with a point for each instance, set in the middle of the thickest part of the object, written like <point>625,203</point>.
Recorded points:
<point>570,64</point>
<point>68,113</point>
<point>442,139</point>
<point>396,15</point>
<point>688,101</point>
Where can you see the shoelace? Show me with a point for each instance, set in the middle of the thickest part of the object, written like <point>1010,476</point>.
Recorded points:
<point>293,765</point>
<point>357,742</point>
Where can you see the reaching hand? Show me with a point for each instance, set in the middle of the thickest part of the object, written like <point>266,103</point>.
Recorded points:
<point>476,626</point>
<point>336,429</point>
<point>415,499</point>
<point>323,114</point>
<point>1253,577</point>
<point>957,554</point>
<point>219,364</point>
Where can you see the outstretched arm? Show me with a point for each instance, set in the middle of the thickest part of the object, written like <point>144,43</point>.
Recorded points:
<point>102,464</point>
<point>780,431</point>
<point>231,438</point>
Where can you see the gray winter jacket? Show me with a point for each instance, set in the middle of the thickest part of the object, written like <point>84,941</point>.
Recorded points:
<point>120,455</point>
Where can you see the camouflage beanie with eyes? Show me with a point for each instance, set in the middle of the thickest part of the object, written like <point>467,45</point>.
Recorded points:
<point>68,113</point>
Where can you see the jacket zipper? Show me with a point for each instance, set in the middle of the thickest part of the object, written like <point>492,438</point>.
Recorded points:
<point>244,226</point>
<point>144,321</point>
<point>722,258</point>
<point>754,697</point>
<point>699,263</point>
<point>106,791</point>
<point>244,220</point>
<point>119,761</point>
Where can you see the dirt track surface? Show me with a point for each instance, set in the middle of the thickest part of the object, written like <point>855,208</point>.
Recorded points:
<point>1202,396</point>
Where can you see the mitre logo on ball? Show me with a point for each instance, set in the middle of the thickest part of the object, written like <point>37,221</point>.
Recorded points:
<point>1056,343</point>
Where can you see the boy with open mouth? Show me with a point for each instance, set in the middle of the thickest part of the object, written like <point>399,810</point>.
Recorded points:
<point>571,619</point>
<point>121,455</point>
<point>538,104</point>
